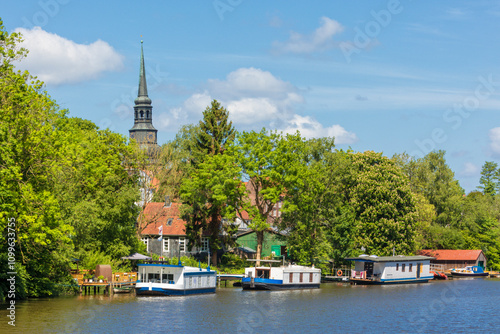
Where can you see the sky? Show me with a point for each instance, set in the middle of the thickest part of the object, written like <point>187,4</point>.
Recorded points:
<point>386,76</point>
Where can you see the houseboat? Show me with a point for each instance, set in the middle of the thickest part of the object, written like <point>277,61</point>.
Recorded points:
<point>159,279</point>
<point>284,277</point>
<point>372,269</point>
<point>469,271</point>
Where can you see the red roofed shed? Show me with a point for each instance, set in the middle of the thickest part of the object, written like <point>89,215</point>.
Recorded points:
<point>456,258</point>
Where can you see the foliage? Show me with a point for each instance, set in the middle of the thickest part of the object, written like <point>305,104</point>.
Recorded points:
<point>212,188</point>
<point>490,178</point>
<point>215,133</point>
<point>269,162</point>
<point>63,181</point>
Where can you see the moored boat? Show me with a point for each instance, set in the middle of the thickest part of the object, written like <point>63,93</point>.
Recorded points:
<point>284,277</point>
<point>469,271</point>
<point>372,269</point>
<point>160,279</point>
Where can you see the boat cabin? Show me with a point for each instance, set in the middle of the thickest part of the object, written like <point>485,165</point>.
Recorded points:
<point>372,269</point>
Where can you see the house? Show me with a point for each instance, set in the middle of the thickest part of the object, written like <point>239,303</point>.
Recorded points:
<point>174,240</point>
<point>274,244</point>
<point>455,258</point>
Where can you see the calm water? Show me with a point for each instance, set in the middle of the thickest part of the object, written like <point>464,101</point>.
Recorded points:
<point>456,306</point>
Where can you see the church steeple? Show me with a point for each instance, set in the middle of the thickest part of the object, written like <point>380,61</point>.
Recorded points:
<point>143,87</point>
<point>143,130</point>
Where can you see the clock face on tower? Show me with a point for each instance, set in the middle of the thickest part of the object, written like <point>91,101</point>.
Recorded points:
<point>132,135</point>
<point>151,137</point>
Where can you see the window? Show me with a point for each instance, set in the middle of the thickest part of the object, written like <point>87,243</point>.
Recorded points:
<point>291,278</point>
<point>146,242</point>
<point>397,266</point>
<point>301,277</point>
<point>310,277</point>
<point>167,278</point>
<point>410,266</point>
<point>166,245</point>
<point>169,221</point>
<point>205,243</point>
<point>403,267</point>
<point>182,244</point>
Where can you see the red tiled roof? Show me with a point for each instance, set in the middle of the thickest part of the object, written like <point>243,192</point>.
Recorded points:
<point>156,214</point>
<point>452,254</point>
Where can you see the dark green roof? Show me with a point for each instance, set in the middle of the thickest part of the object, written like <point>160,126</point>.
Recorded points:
<point>397,258</point>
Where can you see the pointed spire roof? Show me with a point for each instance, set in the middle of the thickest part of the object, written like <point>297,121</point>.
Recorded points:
<point>142,94</point>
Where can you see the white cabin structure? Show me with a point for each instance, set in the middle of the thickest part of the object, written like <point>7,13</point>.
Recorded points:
<point>372,269</point>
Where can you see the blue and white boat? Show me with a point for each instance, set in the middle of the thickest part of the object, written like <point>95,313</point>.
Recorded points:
<point>160,279</point>
<point>372,269</point>
<point>469,271</point>
<point>284,277</point>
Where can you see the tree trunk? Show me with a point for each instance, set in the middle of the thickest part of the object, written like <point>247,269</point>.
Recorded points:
<point>260,241</point>
<point>213,259</point>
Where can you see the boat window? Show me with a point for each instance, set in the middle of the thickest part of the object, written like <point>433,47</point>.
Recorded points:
<point>397,266</point>
<point>300,277</point>
<point>291,278</point>
<point>167,278</point>
<point>403,267</point>
<point>310,277</point>
<point>153,277</point>
<point>410,266</point>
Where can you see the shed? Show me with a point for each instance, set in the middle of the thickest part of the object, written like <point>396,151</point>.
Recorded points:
<point>273,242</point>
<point>456,258</point>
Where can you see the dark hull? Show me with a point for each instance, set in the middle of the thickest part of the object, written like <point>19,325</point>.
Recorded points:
<point>355,281</point>
<point>270,286</point>
<point>165,292</point>
<point>469,275</point>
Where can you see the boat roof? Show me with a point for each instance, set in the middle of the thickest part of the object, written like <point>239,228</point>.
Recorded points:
<point>397,258</point>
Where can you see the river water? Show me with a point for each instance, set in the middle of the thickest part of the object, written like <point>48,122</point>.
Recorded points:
<point>456,306</point>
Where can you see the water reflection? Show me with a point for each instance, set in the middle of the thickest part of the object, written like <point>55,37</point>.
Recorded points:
<point>443,306</point>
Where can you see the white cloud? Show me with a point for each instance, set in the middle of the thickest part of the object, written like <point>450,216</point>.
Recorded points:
<point>57,60</point>
<point>191,108</point>
<point>495,141</point>
<point>469,169</point>
<point>310,128</point>
<point>255,99</point>
<point>321,39</point>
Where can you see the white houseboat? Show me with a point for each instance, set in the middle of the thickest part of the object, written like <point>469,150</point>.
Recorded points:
<point>159,279</point>
<point>283,277</point>
<point>372,269</point>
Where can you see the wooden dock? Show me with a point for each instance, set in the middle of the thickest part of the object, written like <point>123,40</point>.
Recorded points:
<point>87,286</point>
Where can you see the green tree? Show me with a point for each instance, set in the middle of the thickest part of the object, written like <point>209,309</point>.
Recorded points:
<point>308,200</point>
<point>212,193</point>
<point>27,119</point>
<point>384,208</point>
<point>269,162</point>
<point>212,138</point>
<point>215,132</point>
<point>490,178</point>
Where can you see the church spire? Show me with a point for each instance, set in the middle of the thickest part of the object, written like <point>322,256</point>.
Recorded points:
<point>143,130</point>
<point>142,94</point>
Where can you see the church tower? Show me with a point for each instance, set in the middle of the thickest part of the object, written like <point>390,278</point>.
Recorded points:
<point>143,130</point>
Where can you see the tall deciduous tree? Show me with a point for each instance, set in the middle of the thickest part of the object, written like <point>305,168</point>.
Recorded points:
<point>269,162</point>
<point>309,198</point>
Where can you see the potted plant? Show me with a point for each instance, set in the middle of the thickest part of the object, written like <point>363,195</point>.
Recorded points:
<point>100,278</point>
<point>87,277</point>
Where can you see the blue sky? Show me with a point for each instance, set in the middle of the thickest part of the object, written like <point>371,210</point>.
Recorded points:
<point>388,76</point>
